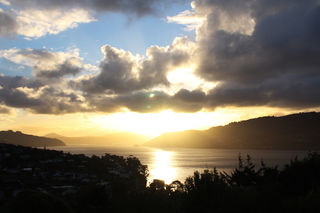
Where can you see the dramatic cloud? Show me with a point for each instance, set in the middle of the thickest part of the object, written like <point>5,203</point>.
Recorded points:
<point>271,60</point>
<point>116,73</point>
<point>153,101</point>
<point>56,101</point>
<point>8,24</point>
<point>246,52</point>
<point>121,72</point>
<point>45,92</point>
<point>11,96</point>
<point>33,95</point>
<point>124,81</point>
<point>280,43</point>
<point>67,68</point>
<point>8,82</point>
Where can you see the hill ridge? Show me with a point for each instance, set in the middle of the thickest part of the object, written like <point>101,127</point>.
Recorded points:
<point>294,131</point>
<point>19,138</point>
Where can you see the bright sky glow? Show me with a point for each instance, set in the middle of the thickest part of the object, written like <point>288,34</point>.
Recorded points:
<point>185,78</point>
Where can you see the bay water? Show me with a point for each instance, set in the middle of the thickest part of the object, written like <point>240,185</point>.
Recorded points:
<point>178,163</point>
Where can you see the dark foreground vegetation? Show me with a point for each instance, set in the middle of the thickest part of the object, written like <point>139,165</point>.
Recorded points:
<point>33,180</point>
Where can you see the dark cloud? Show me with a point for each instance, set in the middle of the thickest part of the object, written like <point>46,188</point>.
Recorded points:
<point>195,96</point>
<point>61,70</point>
<point>282,43</point>
<point>21,92</point>
<point>56,101</point>
<point>33,95</point>
<point>257,9</point>
<point>152,101</point>
<point>9,82</point>
<point>137,101</point>
<point>144,101</point>
<point>188,101</point>
<point>288,93</point>
<point>277,65</point>
<point>11,96</point>
<point>136,7</point>
<point>17,98</point>
<point>8,25</point>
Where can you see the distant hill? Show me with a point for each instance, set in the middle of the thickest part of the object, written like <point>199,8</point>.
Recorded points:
<point>18,138</point>
<point>296,131</point>
<point>116,139</point>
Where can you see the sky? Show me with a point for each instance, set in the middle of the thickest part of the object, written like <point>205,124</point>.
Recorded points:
<point>80,67</point>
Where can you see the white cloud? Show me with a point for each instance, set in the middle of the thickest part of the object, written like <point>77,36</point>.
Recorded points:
<point>34,23</point>
<point>188,18</point>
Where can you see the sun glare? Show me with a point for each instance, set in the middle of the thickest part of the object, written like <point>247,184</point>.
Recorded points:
<point>185,78</point>
<point>163,167</point>
<point>154,124</point>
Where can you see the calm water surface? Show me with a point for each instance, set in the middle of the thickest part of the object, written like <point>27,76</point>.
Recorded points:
<point>179,163</point>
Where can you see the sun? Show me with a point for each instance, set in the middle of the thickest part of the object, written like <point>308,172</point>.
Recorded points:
<point>184,77</point>
<point>157,123</point>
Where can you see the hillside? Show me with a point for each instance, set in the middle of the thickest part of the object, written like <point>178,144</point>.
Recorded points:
<point>116,139</point>
<point>296,131</point>
<point>18,138</point>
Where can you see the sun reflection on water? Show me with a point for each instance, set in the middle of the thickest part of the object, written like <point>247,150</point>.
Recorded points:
<point>162,167</point>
